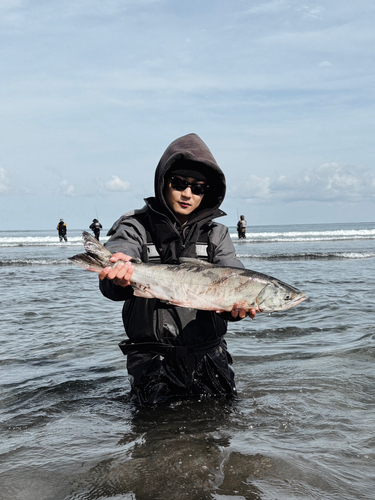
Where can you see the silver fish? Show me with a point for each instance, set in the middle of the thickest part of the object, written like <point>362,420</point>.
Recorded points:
<point>197,284</point>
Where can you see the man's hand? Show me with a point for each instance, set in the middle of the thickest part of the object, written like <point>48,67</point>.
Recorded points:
<point>122,273</point>
<point>237,312</point>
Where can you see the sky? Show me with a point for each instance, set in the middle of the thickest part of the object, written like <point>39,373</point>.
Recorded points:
<point>93,91</point>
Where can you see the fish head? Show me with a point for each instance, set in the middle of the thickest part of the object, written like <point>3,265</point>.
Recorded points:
<point>278,296</point>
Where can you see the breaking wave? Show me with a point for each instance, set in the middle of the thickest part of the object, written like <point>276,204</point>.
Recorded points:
<point>269,257</point>
<point>41,241</point>
<point>258,234</point>
<point>307,236</point>
<point>309,256</point>
<point>34,262</point>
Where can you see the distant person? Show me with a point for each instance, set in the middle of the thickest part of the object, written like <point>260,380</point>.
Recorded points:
<point>241,227</point>
<point>95,228</point>
<point>61,228</point>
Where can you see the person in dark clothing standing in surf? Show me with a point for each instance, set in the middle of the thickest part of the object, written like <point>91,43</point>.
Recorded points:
<point>62,230</point>
<point>241,227</point>
<point>95,228</point>
<point>174,352</point>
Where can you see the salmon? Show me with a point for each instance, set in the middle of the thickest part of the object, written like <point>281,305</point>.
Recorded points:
<point>197,284</point>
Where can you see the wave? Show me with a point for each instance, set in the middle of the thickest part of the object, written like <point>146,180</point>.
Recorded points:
<point>270,257</point>
<point>307,236</point>
<point>34,262</point>
<point>265,234</point>
<point>41,241</point>
<point>309,256</point>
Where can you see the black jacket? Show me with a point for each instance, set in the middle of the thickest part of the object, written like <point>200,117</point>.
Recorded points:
<point>139,233</point>
<point>96,227</point>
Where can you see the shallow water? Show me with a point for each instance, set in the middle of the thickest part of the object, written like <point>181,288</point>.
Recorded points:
<point>302,427</point>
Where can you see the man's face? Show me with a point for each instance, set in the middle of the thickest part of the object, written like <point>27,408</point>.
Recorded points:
<point>180,197</point>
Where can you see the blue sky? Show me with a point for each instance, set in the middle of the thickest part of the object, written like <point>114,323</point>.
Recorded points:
<point>93,91</point>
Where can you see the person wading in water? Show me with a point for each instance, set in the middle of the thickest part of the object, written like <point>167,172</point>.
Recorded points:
<point>241,227</point>
<point>175,352</point>
<point>95,227</point>
<point>62,230</point>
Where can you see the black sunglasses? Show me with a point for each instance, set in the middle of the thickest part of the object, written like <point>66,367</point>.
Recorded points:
<point>179,184</point>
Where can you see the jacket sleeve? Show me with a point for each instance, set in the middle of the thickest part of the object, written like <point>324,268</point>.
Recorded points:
<point>129,239</point>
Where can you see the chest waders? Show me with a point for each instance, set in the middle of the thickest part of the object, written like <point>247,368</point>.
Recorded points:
<point>128,346</point>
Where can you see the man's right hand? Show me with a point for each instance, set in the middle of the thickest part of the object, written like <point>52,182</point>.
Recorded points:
<point>122,273</point>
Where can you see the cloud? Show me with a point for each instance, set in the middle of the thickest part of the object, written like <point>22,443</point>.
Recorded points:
<point>325,64</point>
<point>116,184</point>
<point>311,12</point>
<point>328,183</point>
<point>275,6</point>
<point>4,181</point>
<point>260,186</point>
<point>66,189</point>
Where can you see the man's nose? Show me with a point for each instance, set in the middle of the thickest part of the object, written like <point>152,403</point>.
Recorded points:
<point>187,191</point>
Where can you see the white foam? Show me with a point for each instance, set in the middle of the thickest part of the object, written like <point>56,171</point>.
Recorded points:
<point>306,236</point>
<point>25,241</point>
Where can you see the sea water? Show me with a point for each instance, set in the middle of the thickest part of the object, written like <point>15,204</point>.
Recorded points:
<point>302,427</point>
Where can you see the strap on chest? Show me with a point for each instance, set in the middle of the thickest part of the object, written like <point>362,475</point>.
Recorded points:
<point>151,254</point>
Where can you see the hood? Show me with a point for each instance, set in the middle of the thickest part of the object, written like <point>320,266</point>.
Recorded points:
<point>191,147</point>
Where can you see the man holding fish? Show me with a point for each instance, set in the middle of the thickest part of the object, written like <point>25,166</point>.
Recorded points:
<point>176,352</point>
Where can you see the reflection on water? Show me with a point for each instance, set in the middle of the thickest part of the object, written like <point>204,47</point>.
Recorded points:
<point>179,451</point>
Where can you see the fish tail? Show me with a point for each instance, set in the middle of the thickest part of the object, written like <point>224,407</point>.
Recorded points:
<point>94,247</point>
<point>88,261</point>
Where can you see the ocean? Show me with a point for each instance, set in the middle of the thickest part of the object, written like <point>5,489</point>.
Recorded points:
<point>302,427</point>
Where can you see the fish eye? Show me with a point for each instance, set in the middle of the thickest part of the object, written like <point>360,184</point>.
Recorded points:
<point>287,297</point>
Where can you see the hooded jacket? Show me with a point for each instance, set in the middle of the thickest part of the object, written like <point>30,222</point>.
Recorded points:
<point>155,377</point>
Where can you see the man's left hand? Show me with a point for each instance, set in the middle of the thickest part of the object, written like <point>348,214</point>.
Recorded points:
<point>242,313</point>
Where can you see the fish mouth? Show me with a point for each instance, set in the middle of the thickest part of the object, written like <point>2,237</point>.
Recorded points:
<point>301,299</point>
<point>297,300</point>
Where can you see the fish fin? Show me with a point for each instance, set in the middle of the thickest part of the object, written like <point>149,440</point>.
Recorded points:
<point>205,304</point>
<point>196,262</point>
<point>143,294</point>
<point>135,260</point>
<point>142,291</point>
